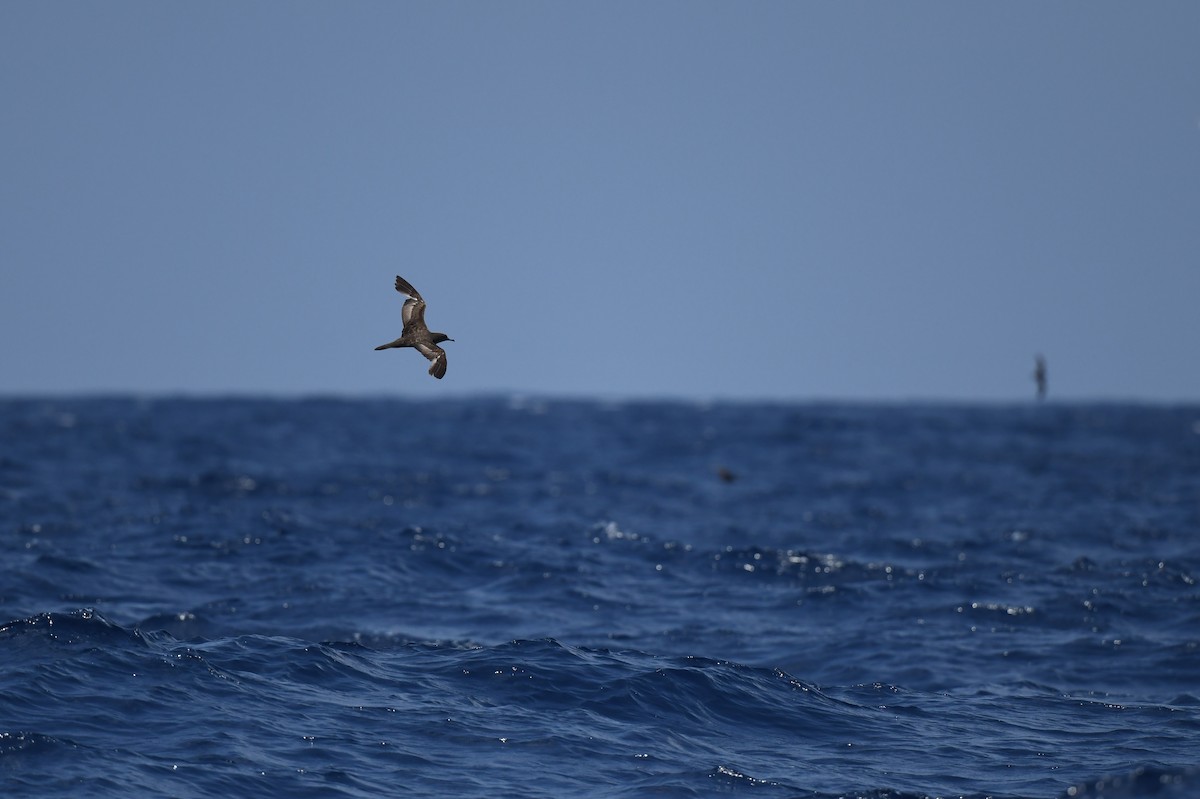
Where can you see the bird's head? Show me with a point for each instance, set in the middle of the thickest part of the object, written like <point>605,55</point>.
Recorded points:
<point>438,338</point>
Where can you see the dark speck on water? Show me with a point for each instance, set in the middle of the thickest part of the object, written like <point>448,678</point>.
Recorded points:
<point>490,597</point>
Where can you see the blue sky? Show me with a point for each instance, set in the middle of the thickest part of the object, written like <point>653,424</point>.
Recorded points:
<point>879,201</point>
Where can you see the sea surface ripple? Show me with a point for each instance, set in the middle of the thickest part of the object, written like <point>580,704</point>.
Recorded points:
<point>545,598</point>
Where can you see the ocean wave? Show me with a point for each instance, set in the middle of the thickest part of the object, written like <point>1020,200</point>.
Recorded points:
<point>476,598</point>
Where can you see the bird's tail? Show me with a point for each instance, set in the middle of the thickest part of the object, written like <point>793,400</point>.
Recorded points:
<point>389,345</point>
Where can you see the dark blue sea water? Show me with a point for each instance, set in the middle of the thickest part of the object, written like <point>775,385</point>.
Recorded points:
<point>493,597</point>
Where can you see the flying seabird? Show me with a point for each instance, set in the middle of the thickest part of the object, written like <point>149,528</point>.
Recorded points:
<point>1039,377</point>
<point>416,334</point>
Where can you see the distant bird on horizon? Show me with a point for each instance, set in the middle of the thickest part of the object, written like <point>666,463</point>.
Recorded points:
<point>1039,377</point>
<point>415,333</point>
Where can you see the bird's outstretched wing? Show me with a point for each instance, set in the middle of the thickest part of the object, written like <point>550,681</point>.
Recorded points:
<point>437,356</point>
<point>413,312</point>
<point>405,288</point>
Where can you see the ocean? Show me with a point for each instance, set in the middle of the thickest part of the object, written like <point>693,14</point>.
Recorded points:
<point>523,597</point>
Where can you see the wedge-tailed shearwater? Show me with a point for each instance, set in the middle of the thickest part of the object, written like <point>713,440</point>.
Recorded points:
<point>1039,377</point>
<point>416,334</point>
